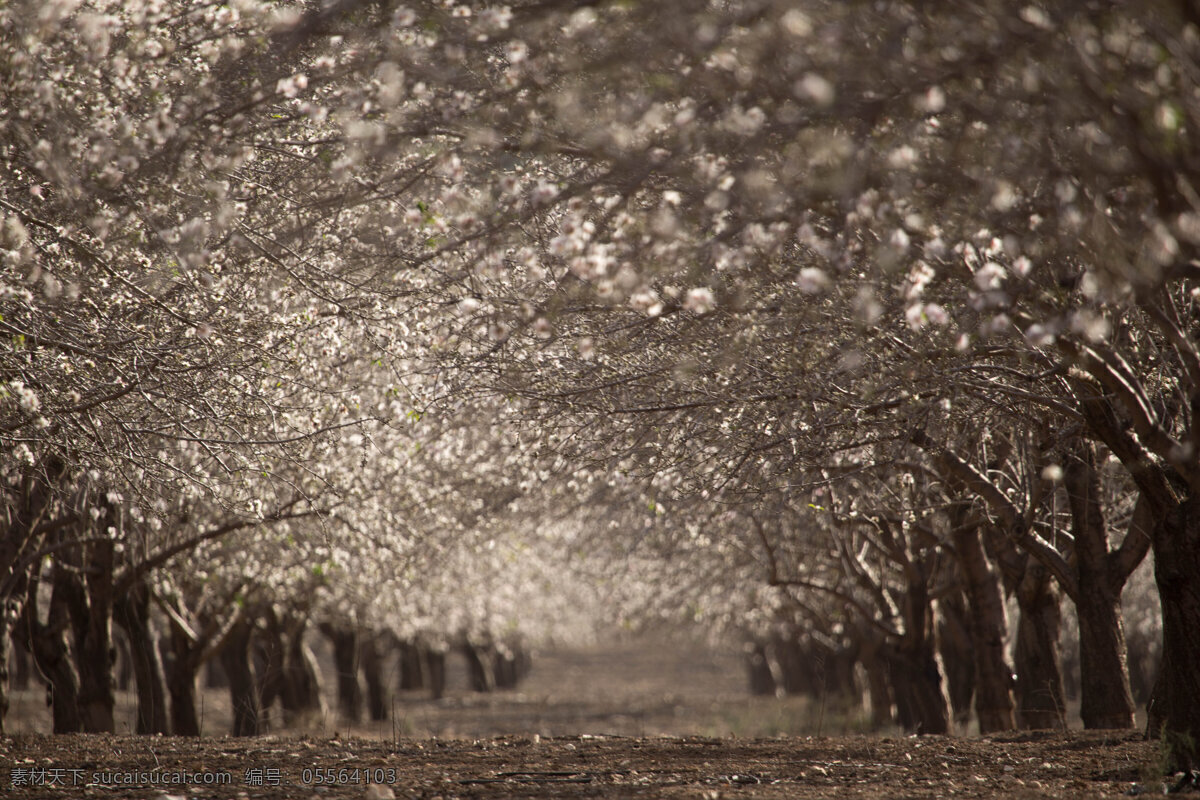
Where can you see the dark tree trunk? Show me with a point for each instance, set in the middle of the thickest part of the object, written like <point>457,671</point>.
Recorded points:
<point>758,670</point>
<point>435,662</point>
<point>879,692</point>
<point>345,660</point>
<point>243,689</point>
<point>1106,700</point>
<point>412,657</point>
<point>301,681</point>
<point>993,676</point>
<point>378,697</point>
<point>181,670</point>
<point>123,665</point>
<point>912,665</point>
<point>22,675</point>
<point>1105,696</point>
<point>9,611</point>
<point>91,619</point>
<point>1040,701</point>
<point>52,653</point>
<point>506,668</point>
<point>479,667</point>
<point>132,613</point>
<point>1175,708</point>
<point>958,659</point>
<point>31,500</point>
<point>267,655</point>
<point>917,687</point>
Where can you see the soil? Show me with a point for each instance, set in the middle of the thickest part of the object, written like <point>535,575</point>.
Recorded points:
<point>1058,765</point>
<point>636,718</point>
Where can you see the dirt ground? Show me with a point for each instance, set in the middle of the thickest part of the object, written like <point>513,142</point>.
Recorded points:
<point>1016,766</point>
<point>658,718</point>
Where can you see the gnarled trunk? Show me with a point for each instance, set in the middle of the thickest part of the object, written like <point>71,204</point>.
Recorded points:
<point>301,676</point>
<point>913,667</point>
<point>958,658</point>
<point>345,660</point>
<point>243,689</point>
<point>181,667</point>
<point>479,666</point>
<point>378,697</point>
<point>1039,686</point>
<point>51,652</point>
<point>917,687</point>
<point>132,613</point>
<point>1105,698</point>
<point>1175,708</point>
<point>993,676</point>
<point>91,601</point>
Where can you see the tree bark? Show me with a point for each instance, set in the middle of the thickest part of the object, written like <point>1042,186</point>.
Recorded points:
<point>91,620</point>
<point>1105,697</point>
<point>958,659</point>
<point>10,610</point>
<point>132,613</point>
<point>33,500</point>
<point>435,661</point>
<point>871,654</point>
<point>378,697</point>
<point>243,688</point>
<point>301,676</point>
<point>345,659</point>
<point>1039,685</point>
<point>479,666</point>
<point>912,665</point>
<point>181,670</point>
<point>758,670</point>
<point>993,676</point>
<point>917,686</point>
<point>411,654</point>
<point>51,652</point>
<point>1175,708</point>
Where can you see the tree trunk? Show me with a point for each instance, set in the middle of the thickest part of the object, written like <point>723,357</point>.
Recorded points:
<point>9,612</point>
<point>879,692</point>
<point>917,687</point>
<point>1106,699</point>
<point>435,661</point>
<point>958,659</point>
<point>243,689</point>
<point>30,501</point>
<point>378,697</point>
<point>993,676</point>
<point>912,665</point>
<point>479,667</point>
<point>132,613</point>
<point>345,659</point>
<point>1040,700</point>
<point>181,683</point>
<point>301,681</point>
<point>91,619</point>
<point>758,671</point>
<point>52,653</point>
<point>1175,708</point>
<point>412,664</point>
